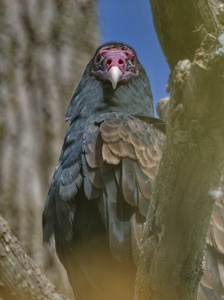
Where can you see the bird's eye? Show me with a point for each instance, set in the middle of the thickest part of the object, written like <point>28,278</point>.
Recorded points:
<point>97,58</point>
<point>99,61</point>
<point>132,59</point>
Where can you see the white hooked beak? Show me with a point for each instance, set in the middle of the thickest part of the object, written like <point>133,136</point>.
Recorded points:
<point>114,74</point>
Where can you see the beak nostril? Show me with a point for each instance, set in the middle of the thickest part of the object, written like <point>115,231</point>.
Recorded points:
<point>120,62</point>
<point>109,61</point>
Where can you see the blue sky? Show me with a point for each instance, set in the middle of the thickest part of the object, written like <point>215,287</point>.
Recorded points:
<point>130,21</point>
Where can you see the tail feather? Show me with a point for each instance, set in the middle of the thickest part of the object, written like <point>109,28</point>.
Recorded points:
<point>94,274</point>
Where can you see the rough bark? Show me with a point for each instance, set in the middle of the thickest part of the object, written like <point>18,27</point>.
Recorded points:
<point>171,259</point>
<point>212,281</point>
<point>182,25</point>
<point>20,278</point>
<point>45,46</point>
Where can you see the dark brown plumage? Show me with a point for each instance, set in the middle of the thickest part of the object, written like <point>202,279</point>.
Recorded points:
<point>101,187</point>
<point>212,282</point>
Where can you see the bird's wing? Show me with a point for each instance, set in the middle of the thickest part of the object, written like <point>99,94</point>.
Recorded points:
<point>105,174</point>
<point>59,210</point>
<point>212,282</point>
<point>120,163</point>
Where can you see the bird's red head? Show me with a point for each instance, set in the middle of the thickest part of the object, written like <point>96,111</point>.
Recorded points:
<point>116,63</point>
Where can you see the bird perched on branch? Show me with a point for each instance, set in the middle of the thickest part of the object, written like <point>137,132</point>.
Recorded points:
<point>100,191</point>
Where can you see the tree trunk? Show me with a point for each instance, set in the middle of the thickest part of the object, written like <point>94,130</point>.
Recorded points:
<point>188,182</point>
<point>45,46</point>
<point>182,25</point>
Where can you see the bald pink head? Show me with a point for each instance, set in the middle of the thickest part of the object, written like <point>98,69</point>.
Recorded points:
<point>116,63</point>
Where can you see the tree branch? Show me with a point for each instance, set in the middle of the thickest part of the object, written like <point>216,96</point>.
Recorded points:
<point>20,278</point>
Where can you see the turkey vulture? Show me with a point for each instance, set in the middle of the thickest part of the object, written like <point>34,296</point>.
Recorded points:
<point>100,191</point>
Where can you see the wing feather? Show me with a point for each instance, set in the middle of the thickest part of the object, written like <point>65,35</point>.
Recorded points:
<point>110,186</point>
<point>129,186</point>
<point>212,282</point>
<point>124,141</point>
<point>125,152</point>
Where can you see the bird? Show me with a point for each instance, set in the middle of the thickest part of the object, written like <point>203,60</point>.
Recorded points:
<point>100,192</point>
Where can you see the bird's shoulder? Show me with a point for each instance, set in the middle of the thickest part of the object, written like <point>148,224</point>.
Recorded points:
<point>113,136</point>
<point>121,151</point>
